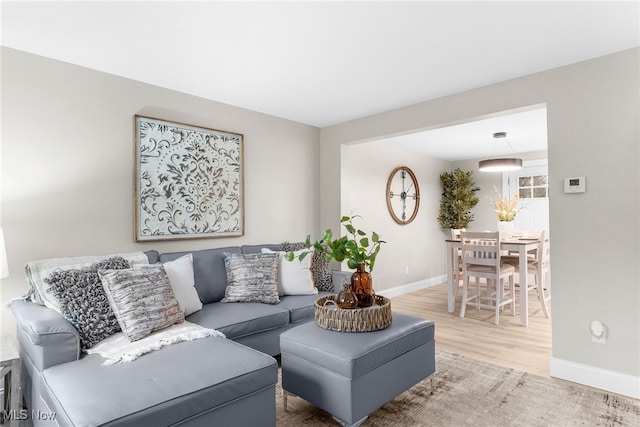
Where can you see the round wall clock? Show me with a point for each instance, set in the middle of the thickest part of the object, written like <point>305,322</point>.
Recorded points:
<point>403,195</point>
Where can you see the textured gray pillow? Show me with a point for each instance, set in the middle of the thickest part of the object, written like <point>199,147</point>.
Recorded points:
<point>322,276</point>
<point>142,300</point>
<point>83,302</point>
<point>252,278</point>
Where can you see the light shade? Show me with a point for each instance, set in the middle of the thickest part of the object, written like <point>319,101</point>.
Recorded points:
<point>499,165</point>
<point>4,266</point>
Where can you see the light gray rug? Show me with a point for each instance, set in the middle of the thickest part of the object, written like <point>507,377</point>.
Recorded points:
<point>468,392</point>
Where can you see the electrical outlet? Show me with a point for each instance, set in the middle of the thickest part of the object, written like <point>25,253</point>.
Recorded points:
<point>406,270</point>
<point>598,332</point>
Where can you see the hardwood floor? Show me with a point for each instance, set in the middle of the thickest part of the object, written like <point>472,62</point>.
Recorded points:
<point>476,336</point>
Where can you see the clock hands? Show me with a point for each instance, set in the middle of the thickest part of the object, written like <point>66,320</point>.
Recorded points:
<point>404,194</point>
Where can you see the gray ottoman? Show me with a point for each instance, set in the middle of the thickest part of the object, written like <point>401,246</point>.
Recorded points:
<point>350,375</point>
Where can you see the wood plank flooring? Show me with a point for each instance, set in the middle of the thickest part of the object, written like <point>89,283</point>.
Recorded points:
<point>476,336</point>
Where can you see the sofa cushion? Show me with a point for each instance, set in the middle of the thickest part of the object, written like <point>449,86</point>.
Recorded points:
<point>294,277</point>
<point>181,277</point>
<point>252,278</point>
<point>320,269</point>
<point>166,387</point>
<point>241,319</point>
<point>300,307</point>
<point>82,300</point>
<point>352,355</point>
<point>37,271</point>
<point>153,256</point>
<point>142,300</point>
<point>209,271</point>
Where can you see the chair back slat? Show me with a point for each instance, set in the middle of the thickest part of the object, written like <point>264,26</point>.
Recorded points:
<point>481,248</point>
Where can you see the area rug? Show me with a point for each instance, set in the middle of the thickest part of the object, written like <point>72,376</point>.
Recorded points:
<point>467,392</point>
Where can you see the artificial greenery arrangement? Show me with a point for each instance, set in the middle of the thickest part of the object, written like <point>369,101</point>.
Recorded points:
<point>355,247</point>
<point>458,197</point>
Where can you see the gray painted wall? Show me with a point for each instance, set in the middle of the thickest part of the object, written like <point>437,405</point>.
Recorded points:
<point>67,165</point>
<point>67,179</point>
<point>593,109</point>
<point>409,255</point>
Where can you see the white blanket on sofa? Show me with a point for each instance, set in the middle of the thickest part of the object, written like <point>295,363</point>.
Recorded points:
<point>118,349</point>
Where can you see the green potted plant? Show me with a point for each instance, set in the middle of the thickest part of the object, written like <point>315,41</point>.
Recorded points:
<point>458,198</point>
<point>357,248</point>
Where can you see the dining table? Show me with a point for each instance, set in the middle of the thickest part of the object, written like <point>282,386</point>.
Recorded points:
<point>520,245</point>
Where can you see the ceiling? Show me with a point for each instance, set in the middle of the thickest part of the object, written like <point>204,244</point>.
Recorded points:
<point>526,132</point>
<point>323,63</point>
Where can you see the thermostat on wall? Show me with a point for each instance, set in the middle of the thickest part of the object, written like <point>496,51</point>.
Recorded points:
<point>574,185</point>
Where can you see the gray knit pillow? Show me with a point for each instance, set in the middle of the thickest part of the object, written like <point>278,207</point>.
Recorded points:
<point>142,300</point>
<point>252,278</point>
<point>322,276</point>
<point>83,302</point>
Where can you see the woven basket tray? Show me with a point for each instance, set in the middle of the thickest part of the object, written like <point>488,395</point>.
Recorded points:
<point>329,316</point>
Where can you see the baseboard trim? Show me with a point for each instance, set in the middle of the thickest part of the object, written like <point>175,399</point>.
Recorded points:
<point>414,286</point>
<point>612,381</point>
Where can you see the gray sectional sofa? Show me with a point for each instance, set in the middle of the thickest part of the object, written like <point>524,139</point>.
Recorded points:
<point>206,382</point>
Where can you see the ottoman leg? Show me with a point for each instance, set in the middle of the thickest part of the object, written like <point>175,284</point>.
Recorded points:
<point>356,424</point>
<point>285,396</point>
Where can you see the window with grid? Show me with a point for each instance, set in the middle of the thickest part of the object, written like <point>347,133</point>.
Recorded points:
<point>532,187</point>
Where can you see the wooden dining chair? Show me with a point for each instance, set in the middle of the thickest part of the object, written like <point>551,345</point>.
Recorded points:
<point>457,261</point>
<point>522,233</point>
<point>481,259</point>
<point>538,267</point>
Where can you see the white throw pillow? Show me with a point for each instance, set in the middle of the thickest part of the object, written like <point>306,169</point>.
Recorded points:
<point>294,277</point>
<point>181,277</point>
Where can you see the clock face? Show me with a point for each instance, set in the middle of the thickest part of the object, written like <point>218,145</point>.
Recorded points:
<point>403,195</point>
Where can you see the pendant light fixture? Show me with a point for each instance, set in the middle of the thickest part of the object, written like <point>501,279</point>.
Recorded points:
<point>500,165</point>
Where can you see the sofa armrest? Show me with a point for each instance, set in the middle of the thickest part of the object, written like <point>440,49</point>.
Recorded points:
<point>339,278</point>
<point>45,336</point>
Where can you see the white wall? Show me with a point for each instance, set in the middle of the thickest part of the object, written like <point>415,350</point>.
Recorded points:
<point>416,247</point>
<point>67,179</point>
<point>593,110</point>
<point>408,256</point>
<point>67,165</point>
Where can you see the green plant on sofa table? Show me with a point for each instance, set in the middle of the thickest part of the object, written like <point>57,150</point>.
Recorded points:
<point>355,247</point>
<point>458,198</point>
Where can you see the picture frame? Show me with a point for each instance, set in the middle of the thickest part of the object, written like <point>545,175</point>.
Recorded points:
<point>189,181</point>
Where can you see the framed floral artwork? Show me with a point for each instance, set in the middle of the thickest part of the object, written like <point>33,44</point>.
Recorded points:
<point>189,181</point>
